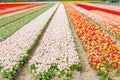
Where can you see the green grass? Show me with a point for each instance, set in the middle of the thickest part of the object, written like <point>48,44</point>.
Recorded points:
<point>11,28</point>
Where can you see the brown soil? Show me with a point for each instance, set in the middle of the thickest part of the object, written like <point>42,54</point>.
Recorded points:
<point>24,74</point>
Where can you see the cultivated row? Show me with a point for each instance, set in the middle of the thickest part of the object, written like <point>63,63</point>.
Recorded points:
<point>111,26</point>
<point>103,52</point>
<point>56,53</point>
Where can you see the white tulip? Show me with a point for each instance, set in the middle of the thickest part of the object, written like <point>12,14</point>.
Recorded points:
<point>57,44</point>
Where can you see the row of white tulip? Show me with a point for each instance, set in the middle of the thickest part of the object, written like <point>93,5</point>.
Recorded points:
<point>56,47</point>
<point>15,47</point>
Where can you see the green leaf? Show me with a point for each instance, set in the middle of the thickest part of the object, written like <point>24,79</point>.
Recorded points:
<point>75,67</point>
<point>118,72</point>
<point>40,76</point>
<point>61,73</point>
<point>100,73</point>
<point>8,74</point>
<point>28,51</point>
<point>105,77</point>
<point>5,74</point>
<point>69,74</point>
<point>32,67</point>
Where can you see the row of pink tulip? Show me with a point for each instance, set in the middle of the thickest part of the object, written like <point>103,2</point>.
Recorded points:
<point>108,15</point>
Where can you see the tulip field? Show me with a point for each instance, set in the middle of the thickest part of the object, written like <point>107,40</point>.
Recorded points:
<point>59,41</point>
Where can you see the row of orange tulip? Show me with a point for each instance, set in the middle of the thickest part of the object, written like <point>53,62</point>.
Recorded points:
<point>103,52</point>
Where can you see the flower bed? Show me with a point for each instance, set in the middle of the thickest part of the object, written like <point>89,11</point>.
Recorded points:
<point>111,26</point>
<point>15,50</point>
<point>102,51</point>
<point>56,54</point>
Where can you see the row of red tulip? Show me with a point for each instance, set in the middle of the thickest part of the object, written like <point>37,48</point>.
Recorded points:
<point>6,6</point>
<point>20,7</point>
